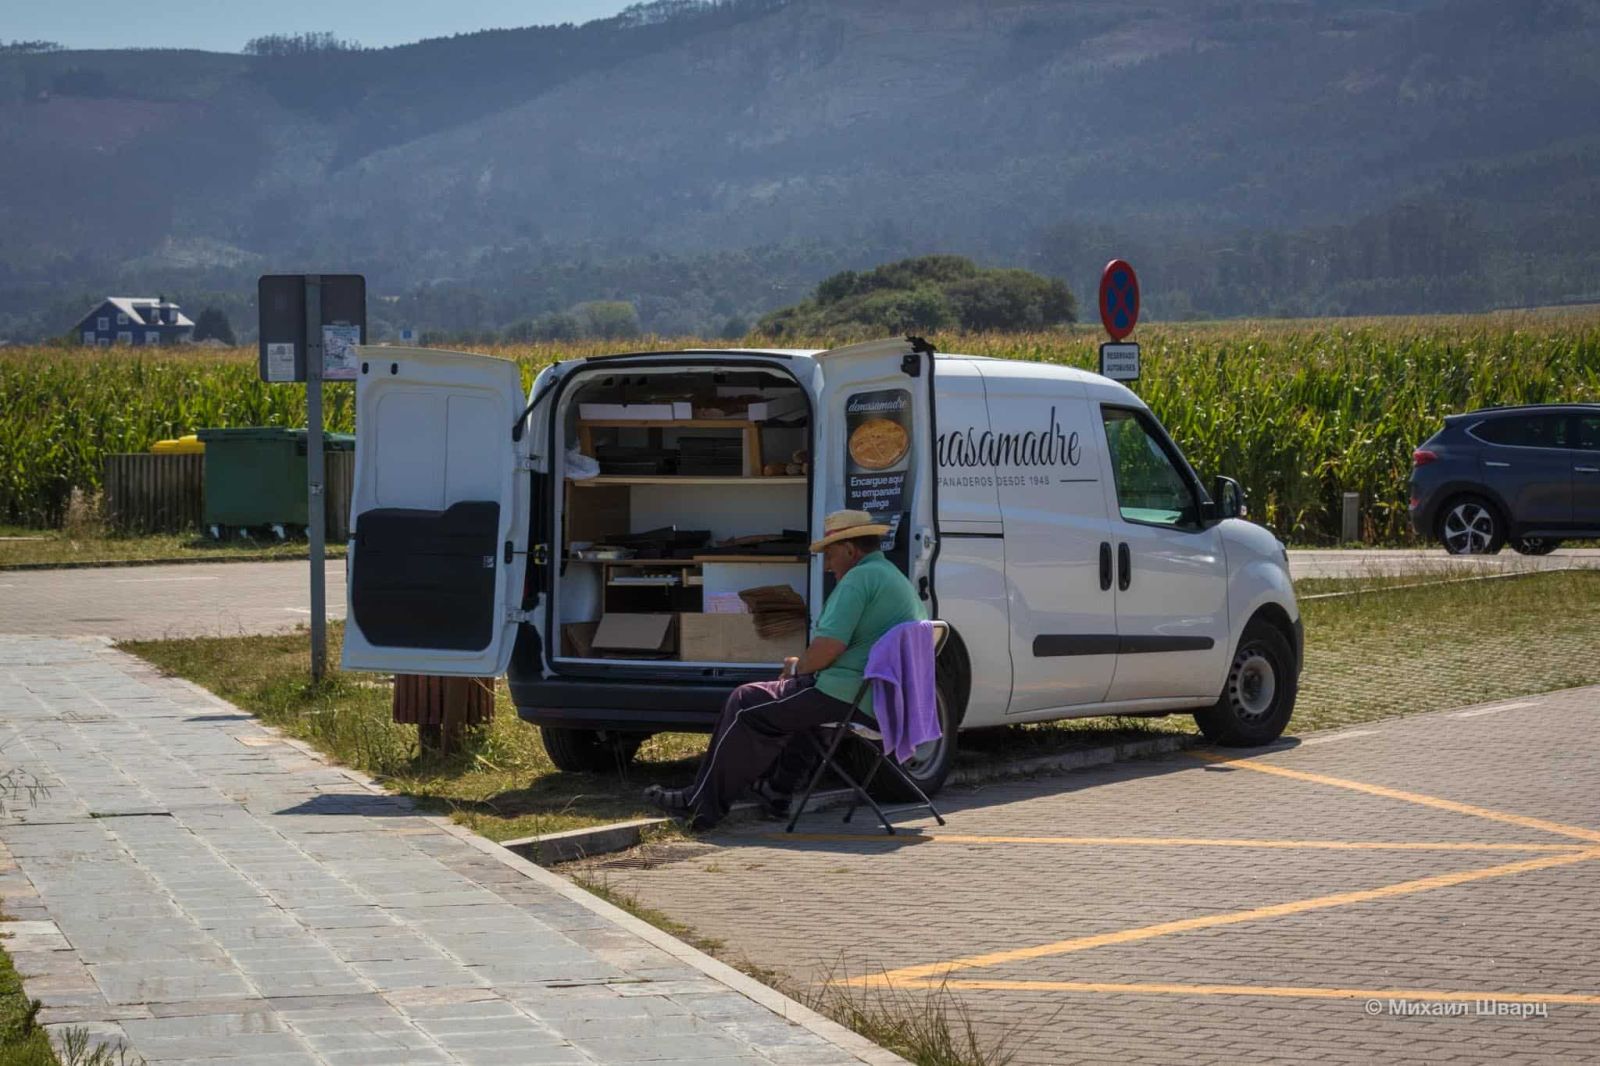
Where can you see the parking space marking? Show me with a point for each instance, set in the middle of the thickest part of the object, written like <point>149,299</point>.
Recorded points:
<point>1280,991</point>
<point>1244,763</point>
<point>1175,842</point>
<point>1476,711</point>
<point>1209,921</point>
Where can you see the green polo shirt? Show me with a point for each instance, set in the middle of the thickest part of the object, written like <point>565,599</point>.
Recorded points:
<point>872,598</point>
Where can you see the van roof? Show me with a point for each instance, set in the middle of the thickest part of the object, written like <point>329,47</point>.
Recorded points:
<point>1035,369</point>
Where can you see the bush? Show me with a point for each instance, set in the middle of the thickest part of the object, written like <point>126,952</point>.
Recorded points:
<point>927,293</point>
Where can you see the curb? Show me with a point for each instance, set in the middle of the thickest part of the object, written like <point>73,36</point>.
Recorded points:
<point>553,849</point>
<point>1078,760</point>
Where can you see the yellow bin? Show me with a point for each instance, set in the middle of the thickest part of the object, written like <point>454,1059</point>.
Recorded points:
<point>190,445</point>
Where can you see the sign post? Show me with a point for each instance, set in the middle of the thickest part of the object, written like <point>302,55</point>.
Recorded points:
<point>316,474</point>
<point>1119,313</point>
<point>309,326</point>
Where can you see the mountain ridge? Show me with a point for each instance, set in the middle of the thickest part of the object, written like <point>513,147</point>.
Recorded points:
<point>874,128</point>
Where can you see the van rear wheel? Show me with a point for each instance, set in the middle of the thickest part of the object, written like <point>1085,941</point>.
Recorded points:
<point>590,751</point>
<point>928,766</point>
<point>1258,697</point>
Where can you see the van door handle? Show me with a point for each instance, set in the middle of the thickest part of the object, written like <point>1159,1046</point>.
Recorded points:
<point>1124,567</point>
<point>1587,469</point>
<point>1105,566</point>
<point>1491,462</point>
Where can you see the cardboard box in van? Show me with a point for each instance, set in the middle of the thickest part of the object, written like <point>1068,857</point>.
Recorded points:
<point>634,634</point>
<point>732,638</point>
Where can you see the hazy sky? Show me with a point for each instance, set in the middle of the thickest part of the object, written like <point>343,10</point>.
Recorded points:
<point>225,25</point>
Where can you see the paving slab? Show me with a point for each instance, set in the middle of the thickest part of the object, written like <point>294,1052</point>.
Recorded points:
<point>196,889</point>
<point>1325,899</point>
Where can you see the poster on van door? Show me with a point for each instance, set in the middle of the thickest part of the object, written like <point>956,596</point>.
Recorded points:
<point>877,451</point>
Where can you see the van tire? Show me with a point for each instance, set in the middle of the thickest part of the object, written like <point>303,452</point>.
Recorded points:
<point>1259,693</point>
<point>590,751</point>
<point>929,773</point>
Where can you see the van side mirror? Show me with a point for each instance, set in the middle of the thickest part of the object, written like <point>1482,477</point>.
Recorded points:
<point>1227,500</point>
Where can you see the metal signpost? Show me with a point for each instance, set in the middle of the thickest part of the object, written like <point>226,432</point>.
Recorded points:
<point>1119,313</point>
<point>310,324</point>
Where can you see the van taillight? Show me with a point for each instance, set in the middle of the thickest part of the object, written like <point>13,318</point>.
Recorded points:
<point>1422,457</point>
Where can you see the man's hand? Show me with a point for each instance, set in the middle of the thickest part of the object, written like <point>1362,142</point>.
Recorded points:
<point>791,667</point>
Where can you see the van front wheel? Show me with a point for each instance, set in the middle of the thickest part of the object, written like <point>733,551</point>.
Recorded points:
<point>928,766</point>
<point>1259,695</point>
<point>589,751</point>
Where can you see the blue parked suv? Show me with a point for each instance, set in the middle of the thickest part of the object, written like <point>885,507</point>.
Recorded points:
<point>1527,475</point>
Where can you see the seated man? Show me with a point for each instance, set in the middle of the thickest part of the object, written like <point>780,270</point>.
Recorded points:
<point>760,730</point>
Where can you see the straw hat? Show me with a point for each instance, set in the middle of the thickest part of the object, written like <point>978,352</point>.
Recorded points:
<point>842,525</point>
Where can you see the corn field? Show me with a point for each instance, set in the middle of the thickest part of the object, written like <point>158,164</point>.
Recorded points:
<point>1298,412</point>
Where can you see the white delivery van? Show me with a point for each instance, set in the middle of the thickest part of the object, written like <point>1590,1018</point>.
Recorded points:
<point>627,542</point>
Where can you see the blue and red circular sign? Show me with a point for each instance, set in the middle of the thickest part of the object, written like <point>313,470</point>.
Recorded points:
<point>1119,299</point>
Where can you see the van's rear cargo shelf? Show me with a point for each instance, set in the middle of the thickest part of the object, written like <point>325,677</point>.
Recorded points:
<point>690,479</point>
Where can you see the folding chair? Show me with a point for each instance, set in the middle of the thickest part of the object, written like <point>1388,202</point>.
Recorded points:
<point>864,731</point>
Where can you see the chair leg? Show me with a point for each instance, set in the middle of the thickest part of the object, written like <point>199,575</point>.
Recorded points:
<point>888,826</point>
<point>825,760</point>
<point>900,772</point>
<point>866,783</point>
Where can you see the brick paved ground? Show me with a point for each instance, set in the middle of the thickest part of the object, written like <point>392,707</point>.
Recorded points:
<point>199,890</point>
<point>1050,940</point>
<point>226,599</point>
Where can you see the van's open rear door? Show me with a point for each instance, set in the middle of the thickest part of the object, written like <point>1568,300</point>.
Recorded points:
<point>439,514</point>
<point>875,447</point>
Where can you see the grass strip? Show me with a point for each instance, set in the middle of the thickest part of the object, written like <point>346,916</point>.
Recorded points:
<point>41,549</point>
<point>23,1042</point>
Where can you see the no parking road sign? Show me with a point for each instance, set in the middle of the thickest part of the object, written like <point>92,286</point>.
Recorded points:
<point>1119,313</point>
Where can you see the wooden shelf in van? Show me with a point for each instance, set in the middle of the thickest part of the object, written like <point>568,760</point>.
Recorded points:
<point>698,560</point>
<point>690,479</point>
<point>666,423</point>
<point>749,433</point>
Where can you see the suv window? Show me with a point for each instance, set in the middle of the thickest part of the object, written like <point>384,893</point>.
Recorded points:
<point>1150,487</point>
<point>1524,431</point>
<point>1589,432</point>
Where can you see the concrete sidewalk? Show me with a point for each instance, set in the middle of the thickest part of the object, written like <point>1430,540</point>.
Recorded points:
<point>202,891</point>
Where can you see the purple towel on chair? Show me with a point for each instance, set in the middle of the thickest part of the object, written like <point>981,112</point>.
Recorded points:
<point>900,668</point>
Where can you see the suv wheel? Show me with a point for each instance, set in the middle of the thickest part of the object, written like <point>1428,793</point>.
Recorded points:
<point>1471,526</point>
<point>1535,545</point>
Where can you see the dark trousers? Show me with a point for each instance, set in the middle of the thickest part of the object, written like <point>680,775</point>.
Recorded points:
<point>762,729</point>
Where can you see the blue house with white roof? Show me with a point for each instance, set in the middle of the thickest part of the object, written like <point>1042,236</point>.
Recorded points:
<point>135,320</point>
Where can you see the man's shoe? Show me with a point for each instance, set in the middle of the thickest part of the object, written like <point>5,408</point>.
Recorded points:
<point>774,803</point>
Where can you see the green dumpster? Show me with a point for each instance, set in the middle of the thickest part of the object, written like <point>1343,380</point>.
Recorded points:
<point>256,475</point>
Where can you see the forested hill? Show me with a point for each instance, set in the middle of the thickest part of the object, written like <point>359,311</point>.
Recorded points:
<point>711,161</point>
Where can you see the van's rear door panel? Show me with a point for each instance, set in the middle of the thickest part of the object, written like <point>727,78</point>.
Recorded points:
<point>439,514</point>
<point>874,446</point>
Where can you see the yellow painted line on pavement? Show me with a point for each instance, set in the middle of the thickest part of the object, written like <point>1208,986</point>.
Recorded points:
<point>1209,921</point>
<point>1242,763</point>
<point>1175,842</point>
<point>1281,991</point>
